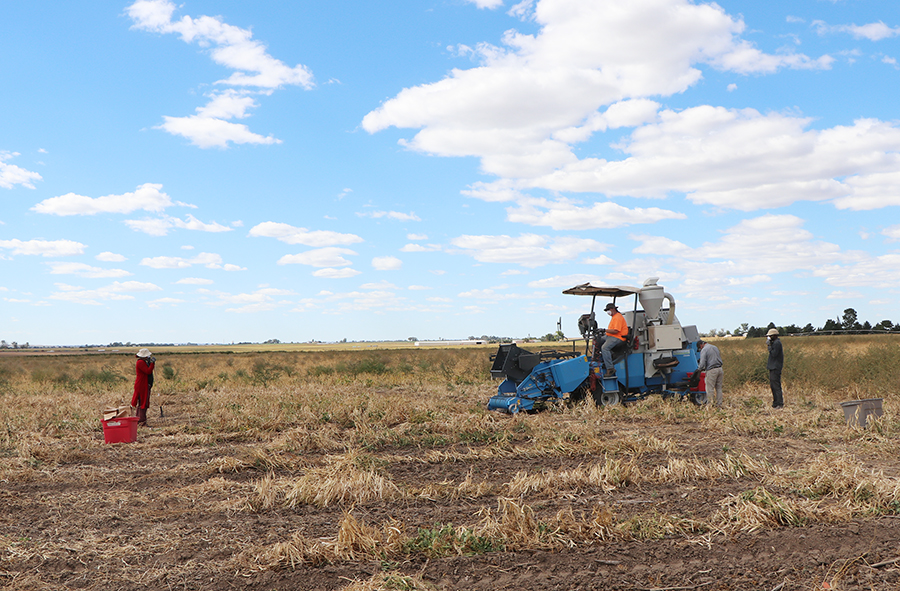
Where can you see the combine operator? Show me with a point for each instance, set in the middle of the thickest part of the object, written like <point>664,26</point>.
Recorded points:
<point>616,333</point>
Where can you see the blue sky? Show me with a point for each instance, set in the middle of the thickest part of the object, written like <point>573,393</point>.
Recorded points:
<point>233,171</point>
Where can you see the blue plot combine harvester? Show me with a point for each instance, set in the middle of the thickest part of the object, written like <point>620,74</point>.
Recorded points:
<point>659,356</point>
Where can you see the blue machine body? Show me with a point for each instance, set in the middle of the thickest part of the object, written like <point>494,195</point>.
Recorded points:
<point>548,380</point>
<point>661,358</point>
<point>555,379</point>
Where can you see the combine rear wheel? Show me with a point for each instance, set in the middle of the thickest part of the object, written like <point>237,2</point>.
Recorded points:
<point>610,398</point>
<point>699,398</point>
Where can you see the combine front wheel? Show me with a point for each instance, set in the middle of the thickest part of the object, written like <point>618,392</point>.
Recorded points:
<point>610,398</point>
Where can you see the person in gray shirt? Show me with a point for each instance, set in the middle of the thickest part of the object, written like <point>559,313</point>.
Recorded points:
<point>711,363</point>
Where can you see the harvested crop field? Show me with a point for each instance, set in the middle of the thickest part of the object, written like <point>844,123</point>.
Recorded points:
<point>383,470</point>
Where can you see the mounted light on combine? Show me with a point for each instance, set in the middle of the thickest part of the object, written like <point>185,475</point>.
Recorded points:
<point>659,356</point>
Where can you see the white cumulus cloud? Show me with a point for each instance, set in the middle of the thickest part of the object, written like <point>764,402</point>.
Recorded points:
<point>294,235</point>
<point>45,248</point>
<point>742,159</point>
<point>521,107</point>
<point>83,270</point>
<point>114,291</point>
<point>528,250</point>
<point>393,215</point>
<point>486,3</point>
<point>194,281</point>
<point>147,197</point>
<point>871,31</point>
<point>563,214</point>
<point>110,257</point>
<point>12,175</point>
<point>892,232</point>
<point>161,226</point>
<point>752,251</point>
<point>411,247</point>
<point>330,273</point>
<point>330,256</point>
<point>256,73</point>
<point>387,263</point>
<point>206,259</point>
<point>208,132</point>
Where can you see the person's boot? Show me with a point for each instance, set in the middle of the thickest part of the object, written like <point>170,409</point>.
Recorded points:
<point>142,417</point>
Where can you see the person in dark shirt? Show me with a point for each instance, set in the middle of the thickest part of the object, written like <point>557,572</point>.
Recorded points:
<point>774,364</point>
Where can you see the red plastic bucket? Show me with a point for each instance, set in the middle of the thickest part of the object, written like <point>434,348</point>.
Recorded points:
<point>120,430</point>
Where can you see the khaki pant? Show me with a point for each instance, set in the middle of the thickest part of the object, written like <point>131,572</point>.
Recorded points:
<point>714,379</point>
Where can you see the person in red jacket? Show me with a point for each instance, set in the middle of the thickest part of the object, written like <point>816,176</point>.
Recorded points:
<point>143,381</point>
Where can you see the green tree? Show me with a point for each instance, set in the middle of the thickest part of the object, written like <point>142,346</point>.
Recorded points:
<point>755,332</point>
<point>849,320</point>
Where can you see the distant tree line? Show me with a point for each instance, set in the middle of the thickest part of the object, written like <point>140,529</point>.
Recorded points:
<point>14,345</point>
<point>494,339</point>
<point>130,344</point>
<point>554,336</point>
<point>848,323</point>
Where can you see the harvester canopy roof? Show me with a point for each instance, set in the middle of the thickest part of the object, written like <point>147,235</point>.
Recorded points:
<point>615,291</point>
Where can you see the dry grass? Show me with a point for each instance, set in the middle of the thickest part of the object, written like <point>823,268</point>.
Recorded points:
<point>348,479</point>
<point>759,508</point>
<point>354,540</point>
<point>291,460</point>
<point>390,582</point>
<point>340,485</point>
<point>841,477</point>
<point>606,476</point>
<point>679,469</point>
<point>469,488</point>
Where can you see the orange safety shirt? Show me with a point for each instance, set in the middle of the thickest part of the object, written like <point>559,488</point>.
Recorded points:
<point>617,322</point>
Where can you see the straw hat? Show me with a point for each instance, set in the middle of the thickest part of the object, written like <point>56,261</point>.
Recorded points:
<point>773,332</point>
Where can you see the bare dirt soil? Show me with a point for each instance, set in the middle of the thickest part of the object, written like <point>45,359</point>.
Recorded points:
<point>162,514</point>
